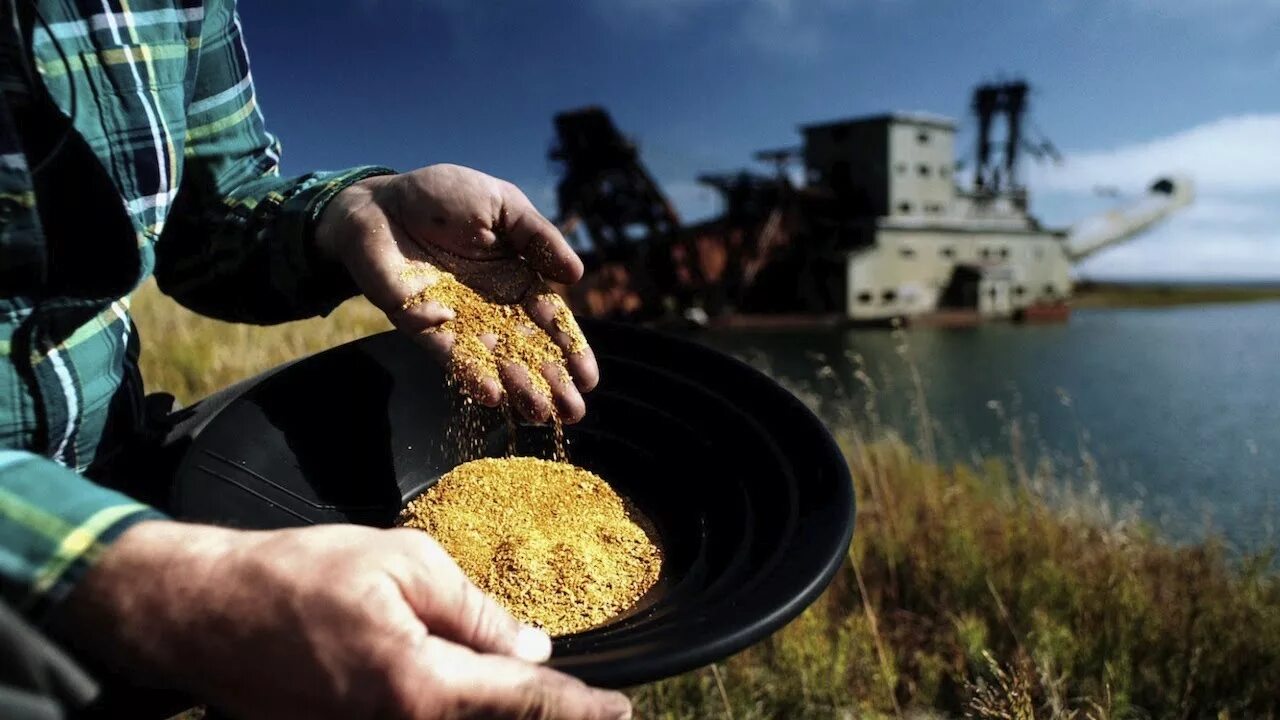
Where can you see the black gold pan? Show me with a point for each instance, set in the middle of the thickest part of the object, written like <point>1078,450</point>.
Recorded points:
<point>750,495</point>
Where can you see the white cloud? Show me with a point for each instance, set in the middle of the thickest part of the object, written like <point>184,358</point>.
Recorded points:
<point>1231,155</point>
<point>1220,212</point>
<point>1176,252</point>
<point>1233,228</point>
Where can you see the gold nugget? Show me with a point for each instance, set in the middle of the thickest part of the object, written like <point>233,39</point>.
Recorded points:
<point>551,542</point>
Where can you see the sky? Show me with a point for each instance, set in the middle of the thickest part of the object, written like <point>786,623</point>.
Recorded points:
<point>1127,89</point>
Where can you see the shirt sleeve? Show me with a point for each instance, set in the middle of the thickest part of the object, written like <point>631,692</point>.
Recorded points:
<point>239,242</point>
<point>54,524</point>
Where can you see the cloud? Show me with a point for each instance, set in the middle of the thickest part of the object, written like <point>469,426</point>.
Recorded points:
<point>1231,155</point>
<point>1231,231</point>
<point>1179,252</point>
<point>1220,212</point>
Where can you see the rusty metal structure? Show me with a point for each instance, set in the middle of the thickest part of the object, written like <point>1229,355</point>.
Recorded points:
<point>643,264</point>
<point>1007,101</point>
<point>606,192</point>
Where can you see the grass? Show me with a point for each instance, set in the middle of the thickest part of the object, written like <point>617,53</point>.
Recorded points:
<point>986,591</point>
<point>190,356</point>
<point>1139,295</point>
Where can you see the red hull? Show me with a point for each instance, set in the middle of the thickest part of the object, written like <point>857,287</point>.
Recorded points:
<point>1055,313</point>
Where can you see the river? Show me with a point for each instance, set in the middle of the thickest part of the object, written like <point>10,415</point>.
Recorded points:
<point>1171,413</point>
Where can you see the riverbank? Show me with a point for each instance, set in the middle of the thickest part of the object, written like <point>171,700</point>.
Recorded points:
<point>989,587</point>
<point>968,591</point>
<point>1137,295</point>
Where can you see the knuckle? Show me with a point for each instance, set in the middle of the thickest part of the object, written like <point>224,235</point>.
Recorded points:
<point>413,541</point>
<point>536,702</point>
<point>529,700</point>
<point>510,189</point>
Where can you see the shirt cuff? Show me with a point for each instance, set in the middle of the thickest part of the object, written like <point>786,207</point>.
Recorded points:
<point>322,283</point>
<point>54,525</point>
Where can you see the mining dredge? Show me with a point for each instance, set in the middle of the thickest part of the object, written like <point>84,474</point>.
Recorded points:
<point>879,230</point>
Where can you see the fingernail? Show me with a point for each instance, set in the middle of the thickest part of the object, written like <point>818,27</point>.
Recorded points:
<point>532,645</point>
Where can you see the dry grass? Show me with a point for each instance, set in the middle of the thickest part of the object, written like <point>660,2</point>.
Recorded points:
<point>191,356</point>
<point>954,567</point>
<point>984,591</point>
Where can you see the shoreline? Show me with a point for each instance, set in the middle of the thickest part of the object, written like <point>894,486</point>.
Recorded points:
<point>1103,295</point>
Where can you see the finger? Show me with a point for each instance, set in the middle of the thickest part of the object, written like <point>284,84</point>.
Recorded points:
<point>569,403</point>
<point>420,317</point>
<point>533,404</point>
<point>583,370</point>
<point>452,607</point>
<point>441,344</point>
<point>537,239</point>
<point>548,311</point>
<point>473,685</point>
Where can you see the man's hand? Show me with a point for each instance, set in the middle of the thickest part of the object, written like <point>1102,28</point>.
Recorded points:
<point>481,229</point>
<point>327,622</point>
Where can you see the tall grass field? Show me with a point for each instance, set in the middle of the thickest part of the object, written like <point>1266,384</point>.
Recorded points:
<point>980,590</point>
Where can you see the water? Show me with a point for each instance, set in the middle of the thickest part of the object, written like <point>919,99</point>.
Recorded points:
<point>1178,409</point>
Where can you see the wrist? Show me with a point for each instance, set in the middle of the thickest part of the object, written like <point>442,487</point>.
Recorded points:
<point>133,611</point>
<point>345,216</point>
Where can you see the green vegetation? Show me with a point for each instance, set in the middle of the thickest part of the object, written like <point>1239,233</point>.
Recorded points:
<point>1114,295</point>
<point>990,591</point>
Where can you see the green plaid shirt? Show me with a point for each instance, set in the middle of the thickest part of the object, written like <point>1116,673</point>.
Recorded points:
<point>162,105</point>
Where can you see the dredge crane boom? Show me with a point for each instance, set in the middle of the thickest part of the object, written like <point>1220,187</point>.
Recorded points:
<point>1165,197</point>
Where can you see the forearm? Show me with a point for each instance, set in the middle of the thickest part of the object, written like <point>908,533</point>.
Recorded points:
<point>178,557</point>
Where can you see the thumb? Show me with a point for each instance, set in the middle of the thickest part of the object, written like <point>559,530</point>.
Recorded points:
<point>452,607</point>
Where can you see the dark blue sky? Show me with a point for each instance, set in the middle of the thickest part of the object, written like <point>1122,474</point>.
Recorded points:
<point>701,84</point>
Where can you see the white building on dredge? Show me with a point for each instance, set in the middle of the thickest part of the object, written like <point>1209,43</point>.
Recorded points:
<point>929,246</point>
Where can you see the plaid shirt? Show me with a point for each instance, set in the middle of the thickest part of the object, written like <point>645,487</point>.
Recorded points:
<point>162,104</point>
